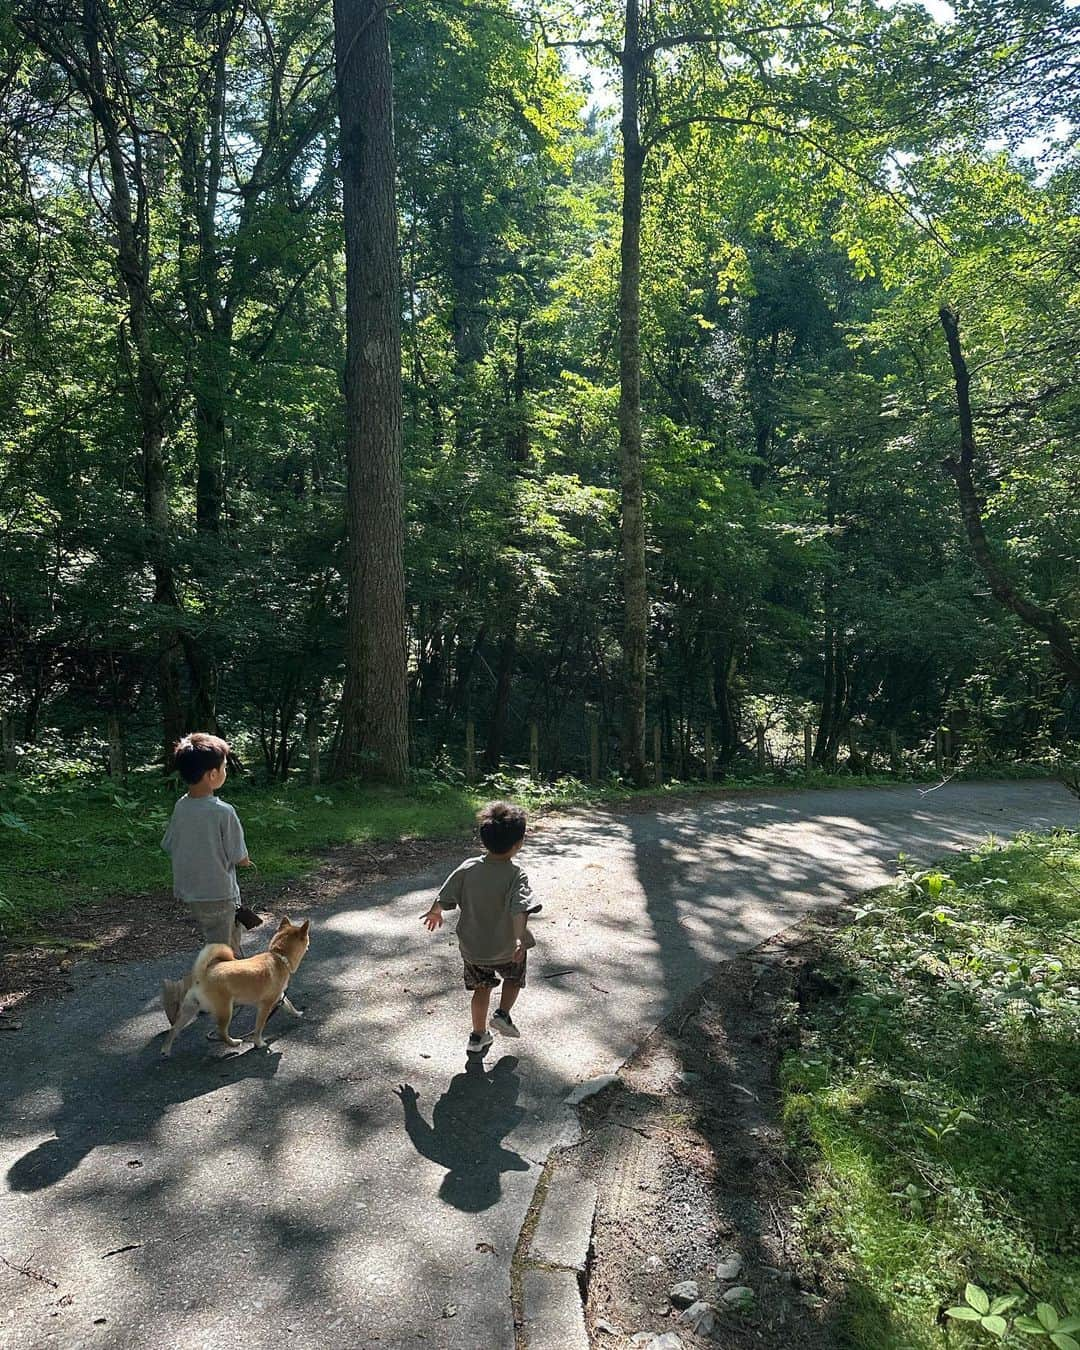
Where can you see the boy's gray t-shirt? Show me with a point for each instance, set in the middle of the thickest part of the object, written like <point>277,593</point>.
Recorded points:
<point>489,892</point>
<point>205,841</point>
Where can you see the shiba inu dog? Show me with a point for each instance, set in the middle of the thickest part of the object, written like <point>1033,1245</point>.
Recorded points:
<point>219,980</point>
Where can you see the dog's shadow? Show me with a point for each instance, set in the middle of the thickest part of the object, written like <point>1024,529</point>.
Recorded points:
<point>119,1100</point>
<point>468,1123</point>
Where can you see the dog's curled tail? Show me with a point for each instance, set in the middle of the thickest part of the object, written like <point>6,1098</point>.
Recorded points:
<point>210,956</point>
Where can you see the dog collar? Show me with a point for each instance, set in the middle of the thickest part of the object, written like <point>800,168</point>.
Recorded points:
<point>281,957</point>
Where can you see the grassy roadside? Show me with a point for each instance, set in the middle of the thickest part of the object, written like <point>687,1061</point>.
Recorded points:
<point>67,841</point>
<point>936,1096</point>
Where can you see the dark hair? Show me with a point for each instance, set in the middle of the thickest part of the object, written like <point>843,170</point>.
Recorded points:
<point>198,753</point>
<point>502,825</point>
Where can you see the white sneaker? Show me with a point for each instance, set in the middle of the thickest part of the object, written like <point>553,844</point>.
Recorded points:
<point>503,1023</point>
<point>478,1040</point>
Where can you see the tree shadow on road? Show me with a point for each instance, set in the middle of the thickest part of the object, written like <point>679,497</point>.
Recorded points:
<point>467,1126</point>
<point>112,1101</point>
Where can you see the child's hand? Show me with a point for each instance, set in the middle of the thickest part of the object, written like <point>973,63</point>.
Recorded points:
<point>432,919</point>
<point>246,862</point>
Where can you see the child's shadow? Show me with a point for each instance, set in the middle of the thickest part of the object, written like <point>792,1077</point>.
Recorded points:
<point>119,1100</point>
<point>467,1125</point>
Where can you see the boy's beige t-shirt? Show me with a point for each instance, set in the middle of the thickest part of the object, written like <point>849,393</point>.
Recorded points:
<point>489,892</point>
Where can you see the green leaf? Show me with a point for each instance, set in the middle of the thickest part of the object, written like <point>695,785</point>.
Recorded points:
<point>1047,1315</point>
<point>996,1326</point>
<point>1004,1301</point>
<point>1029,1326</point>
<point>1069,1324</point>
<point>1063,1342</point>
<point>977,1298</point>
<point>965,1314</point>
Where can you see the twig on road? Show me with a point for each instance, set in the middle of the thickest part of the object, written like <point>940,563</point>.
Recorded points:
<point>27,1269</point>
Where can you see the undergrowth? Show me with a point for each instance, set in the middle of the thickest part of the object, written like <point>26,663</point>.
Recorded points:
<point>935,1093</point>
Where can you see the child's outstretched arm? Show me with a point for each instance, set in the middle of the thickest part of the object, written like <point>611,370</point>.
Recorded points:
<point>433,918</point>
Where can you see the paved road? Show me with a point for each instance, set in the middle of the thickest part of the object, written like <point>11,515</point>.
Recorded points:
<point>291,1199</point>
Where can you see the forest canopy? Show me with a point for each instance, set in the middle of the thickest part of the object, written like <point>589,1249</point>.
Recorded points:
<point>738,379</point>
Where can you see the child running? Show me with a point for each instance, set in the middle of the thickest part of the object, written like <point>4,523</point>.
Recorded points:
<point>493,896</point>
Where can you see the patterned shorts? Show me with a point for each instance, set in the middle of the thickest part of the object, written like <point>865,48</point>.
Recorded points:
<point>488,977</point>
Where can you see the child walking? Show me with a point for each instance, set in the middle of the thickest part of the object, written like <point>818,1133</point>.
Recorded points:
<point>493,896</point>
<point>205,841</point>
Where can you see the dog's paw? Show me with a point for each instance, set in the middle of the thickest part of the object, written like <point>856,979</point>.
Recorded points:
<point>231,1040</point>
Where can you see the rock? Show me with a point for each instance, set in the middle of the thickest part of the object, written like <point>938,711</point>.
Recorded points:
<point>739,1297</point>
<point>590,1088</point>
<point>729,1267</point>
<point>685,1293</point>
<point>700,1317</point>
<point>602,1324</point>
<point>651,1340</point>
<point>653,1262</point>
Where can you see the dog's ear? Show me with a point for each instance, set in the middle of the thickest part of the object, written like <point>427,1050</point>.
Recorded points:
<point>284,923</point>
<point>305,926</point>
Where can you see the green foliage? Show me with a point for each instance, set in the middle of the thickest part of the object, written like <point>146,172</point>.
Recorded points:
<point>932,1097</point>
<point>815,187</point>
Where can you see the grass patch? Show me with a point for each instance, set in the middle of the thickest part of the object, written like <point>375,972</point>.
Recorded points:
<point>935,1093</point>
<point>69,844</point>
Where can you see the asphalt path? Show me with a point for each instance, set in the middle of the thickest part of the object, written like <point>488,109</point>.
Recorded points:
<point>297,1197</point>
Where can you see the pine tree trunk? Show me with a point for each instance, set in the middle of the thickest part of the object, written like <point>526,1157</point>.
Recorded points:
<point>374,713</point>
<point>635,596</point>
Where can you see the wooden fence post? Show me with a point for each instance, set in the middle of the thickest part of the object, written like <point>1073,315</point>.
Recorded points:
<point>116,748</point>
<point>314,771</point>
<point>470,751</point>
<point>808,747</point>
<point>658,773</point>
<point>594,749</point>
<point>760,734</point>
<point>708,753</point>
<point>534,750</point>
<point>8,758</point>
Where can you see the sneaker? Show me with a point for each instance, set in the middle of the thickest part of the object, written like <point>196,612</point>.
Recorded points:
<point>479,1040</point>
<point>504,1023</point>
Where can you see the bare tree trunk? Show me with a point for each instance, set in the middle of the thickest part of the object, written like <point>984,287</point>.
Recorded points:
<point>1063,644</point>
<point>105,87</point>
<point>635,596</point>
<point>374,712</point>
<point>503,681</point>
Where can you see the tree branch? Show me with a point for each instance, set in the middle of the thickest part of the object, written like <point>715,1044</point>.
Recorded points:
<point>1045,621</point>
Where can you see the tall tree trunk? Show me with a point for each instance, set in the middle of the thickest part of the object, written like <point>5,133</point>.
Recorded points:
<point>104,86</point>
<point>503,681</point>
<point>374,712</point>
<point>510,597</point>
<point>1063,643</point>
<point>635,596</point>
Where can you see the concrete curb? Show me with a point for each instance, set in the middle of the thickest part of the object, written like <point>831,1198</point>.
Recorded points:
<point>554,1267</point>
